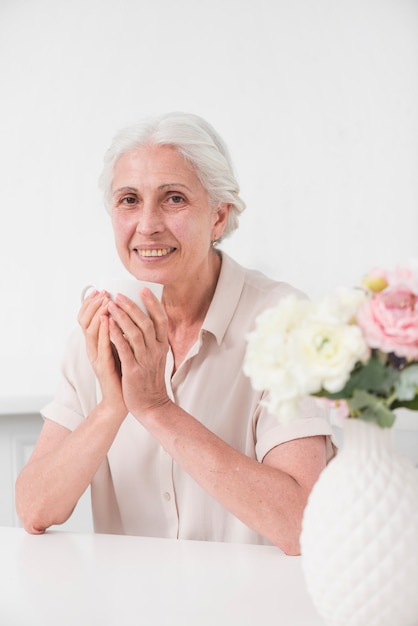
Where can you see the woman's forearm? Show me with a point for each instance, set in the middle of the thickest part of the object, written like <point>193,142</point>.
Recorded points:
<point>267,497</point>
<point>61,468</point>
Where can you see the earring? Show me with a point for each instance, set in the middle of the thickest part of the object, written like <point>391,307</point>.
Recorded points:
<point>214,243</point>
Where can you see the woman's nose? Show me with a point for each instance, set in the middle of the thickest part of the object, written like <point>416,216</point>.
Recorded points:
<point>149,220</point>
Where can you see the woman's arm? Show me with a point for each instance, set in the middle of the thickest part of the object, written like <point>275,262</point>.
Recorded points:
<point>63,463</point>
<point>268,497</point>
<point>61,467</point>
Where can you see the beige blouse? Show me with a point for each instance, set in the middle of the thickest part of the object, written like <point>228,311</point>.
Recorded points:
<point>139,489</point>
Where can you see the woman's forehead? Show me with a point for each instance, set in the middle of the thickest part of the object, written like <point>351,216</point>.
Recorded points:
<point>153,158</point>
<point>158,165</point>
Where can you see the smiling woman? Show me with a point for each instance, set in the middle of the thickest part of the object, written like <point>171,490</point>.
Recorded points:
<point>154,411</point>
<point>199,144</point>
<point>164,224</point>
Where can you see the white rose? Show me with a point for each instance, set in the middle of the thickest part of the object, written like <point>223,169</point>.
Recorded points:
<point>301,347</point>
<point>324,354</point>
<point>267,360</point>
<point>342,306</point>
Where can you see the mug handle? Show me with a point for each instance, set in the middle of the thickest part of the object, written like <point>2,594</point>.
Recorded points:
<point>85,291</point>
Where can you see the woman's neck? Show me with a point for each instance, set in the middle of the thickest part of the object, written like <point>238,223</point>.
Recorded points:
<point>187,304</point>
<point>186,309</point>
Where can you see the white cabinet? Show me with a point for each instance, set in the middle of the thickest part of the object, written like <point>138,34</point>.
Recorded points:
<point>18,435</point>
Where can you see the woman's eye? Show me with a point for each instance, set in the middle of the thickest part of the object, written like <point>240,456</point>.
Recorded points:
<point>129,200</point>
<point>176,199</point>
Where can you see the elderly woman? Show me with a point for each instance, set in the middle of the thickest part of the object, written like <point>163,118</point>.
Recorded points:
<point>161,421</point>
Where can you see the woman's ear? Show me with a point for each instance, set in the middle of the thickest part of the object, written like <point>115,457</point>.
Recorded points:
<point>220,219</point>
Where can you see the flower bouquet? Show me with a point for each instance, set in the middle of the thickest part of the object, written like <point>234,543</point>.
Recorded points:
<point>356,349</point>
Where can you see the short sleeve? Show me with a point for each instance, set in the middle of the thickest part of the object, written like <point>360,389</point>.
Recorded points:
<point>314,421</point>
<point>76,395</point>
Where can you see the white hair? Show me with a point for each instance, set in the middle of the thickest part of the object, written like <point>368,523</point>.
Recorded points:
<point>200,145</point>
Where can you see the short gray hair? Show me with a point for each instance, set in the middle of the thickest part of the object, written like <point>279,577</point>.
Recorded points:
<point>200,145</point>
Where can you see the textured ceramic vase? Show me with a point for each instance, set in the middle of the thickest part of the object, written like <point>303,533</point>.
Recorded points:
<point>359,537</point>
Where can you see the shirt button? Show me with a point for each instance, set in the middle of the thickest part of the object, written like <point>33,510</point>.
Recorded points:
<point>167,496</point>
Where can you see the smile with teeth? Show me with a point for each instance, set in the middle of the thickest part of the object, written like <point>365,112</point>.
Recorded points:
<point>154,252</point>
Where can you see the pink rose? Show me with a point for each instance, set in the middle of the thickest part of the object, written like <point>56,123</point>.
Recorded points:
<point>389,321</point>
<point>404,277</point>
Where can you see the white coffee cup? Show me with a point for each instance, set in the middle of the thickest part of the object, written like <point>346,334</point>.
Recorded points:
<point>129,287</point>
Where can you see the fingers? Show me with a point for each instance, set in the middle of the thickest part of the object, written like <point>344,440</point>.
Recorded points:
<point>123,347</point>
<point>105,346</point>
<point>94,303</point>
<point>103,338</point>
<point>135,325</point>
<point>156,313</point>
<point>90,319</point>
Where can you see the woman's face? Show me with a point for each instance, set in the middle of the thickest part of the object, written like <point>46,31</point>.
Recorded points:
<point>161,215</point>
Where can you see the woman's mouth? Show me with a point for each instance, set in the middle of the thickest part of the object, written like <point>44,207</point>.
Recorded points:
<point>147,252</point>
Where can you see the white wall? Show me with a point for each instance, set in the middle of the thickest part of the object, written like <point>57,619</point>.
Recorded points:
<point>317,99</point>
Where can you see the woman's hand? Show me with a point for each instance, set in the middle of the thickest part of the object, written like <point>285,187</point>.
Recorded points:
<point>142,345</point>
<point>94,321</point>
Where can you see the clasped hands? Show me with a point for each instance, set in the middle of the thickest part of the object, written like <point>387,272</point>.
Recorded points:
<point>127,350</point>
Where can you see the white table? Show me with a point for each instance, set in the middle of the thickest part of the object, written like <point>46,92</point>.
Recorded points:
<point>70,579</point>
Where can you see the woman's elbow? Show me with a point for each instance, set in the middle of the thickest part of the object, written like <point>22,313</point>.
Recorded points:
<point>32,527</point>
<point>30,520</point>
<point>288,543</point>
<point>36,521</point>
<point>31,515</point>
<point>292,547</point>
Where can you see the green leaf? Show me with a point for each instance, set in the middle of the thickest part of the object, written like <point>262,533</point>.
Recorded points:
<point>374,376</point>
<point>381,416</point>
<point>412,405</point>
<point>407,385</point>
<point>370,408</point>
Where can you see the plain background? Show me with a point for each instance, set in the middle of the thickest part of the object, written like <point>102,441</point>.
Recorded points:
<point>316,99</point>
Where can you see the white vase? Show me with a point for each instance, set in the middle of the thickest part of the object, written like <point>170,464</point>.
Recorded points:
<point>359,538</point>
